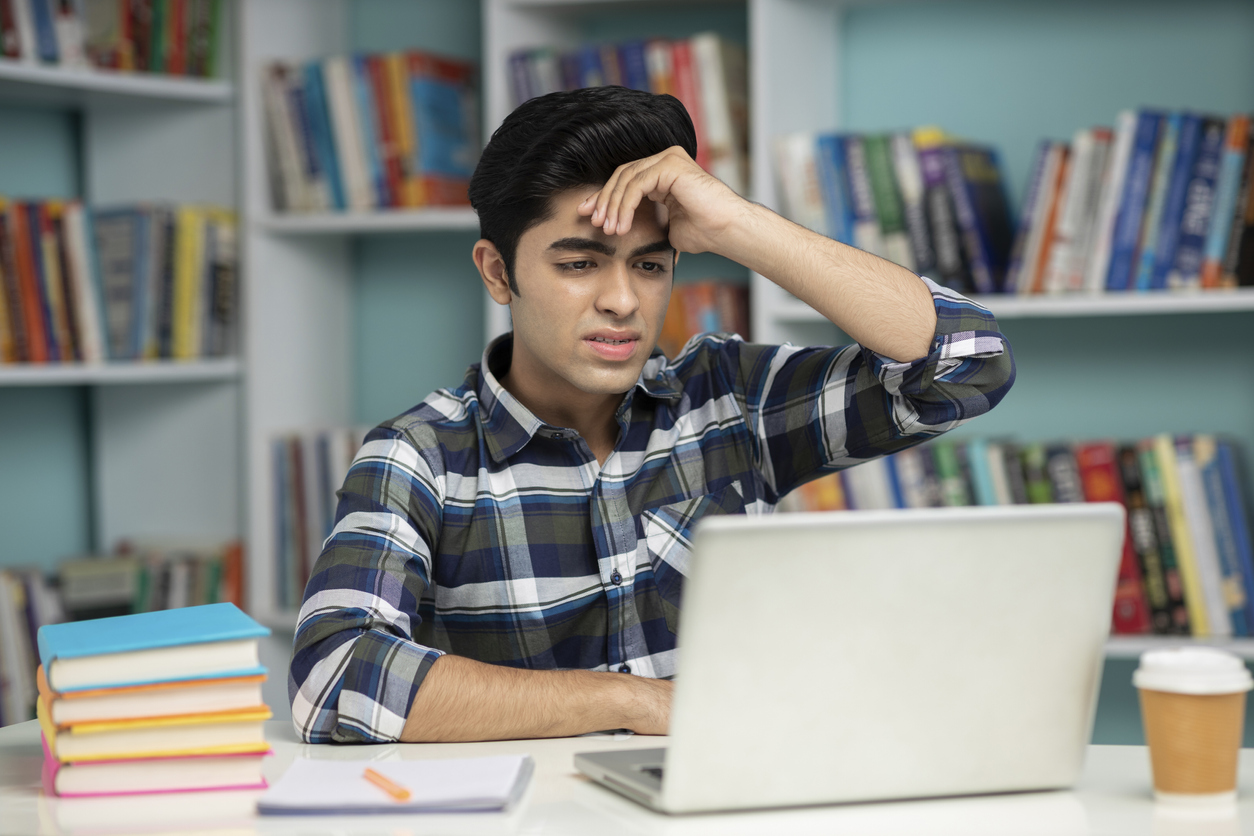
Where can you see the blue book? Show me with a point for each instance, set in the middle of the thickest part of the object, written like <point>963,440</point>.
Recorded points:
<point>635,70</point>
<point>1226,187</point>
<point>1173,205</point>
<point>520,76</point>
<point>1239,521</point>
<point>591,71</point>
<point>1143,268</point>
<point>569,63</point>
<point>834,183</point>
<point>369,119</point>
<point>1186,270</point>
<point>1205,453</point>
<point>322,134</point>
<point>70,651</point>
<point>35,233</point>
<point>45,30</point>
<point>981,473</point>
<point>1027,215</point>
<point>1127,230</point>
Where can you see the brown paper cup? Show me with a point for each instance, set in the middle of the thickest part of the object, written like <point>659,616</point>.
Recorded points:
<point>1194,740</point>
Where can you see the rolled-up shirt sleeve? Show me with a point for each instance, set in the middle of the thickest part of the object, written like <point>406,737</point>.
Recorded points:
<point>816,410</point>
<point>355,664</point>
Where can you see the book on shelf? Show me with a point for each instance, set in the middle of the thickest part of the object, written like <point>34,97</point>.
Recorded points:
<point>931,203</point>
<point>710,306</point>
<point>152,702</point>
<point>308,469</point>
<point>363,132</point>
<point>707,73</point>
<point>172,37</point>
<point>1187,566</point>
<point>137,282</point>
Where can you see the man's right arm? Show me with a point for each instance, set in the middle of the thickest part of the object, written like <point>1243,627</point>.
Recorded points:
<point>359,675</point>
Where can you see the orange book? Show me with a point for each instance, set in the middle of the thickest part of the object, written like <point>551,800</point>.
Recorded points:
<point>1051,220</point>
<point>401,115</point>
<point>389,151</point>
<point>1235,142</point>
<point>28,284</point>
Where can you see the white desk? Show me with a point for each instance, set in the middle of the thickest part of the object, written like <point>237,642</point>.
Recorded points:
<point>1113,797</point>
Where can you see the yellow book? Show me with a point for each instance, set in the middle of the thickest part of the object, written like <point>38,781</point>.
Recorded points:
<point>1181,541</point>
<point>204,734</point>
<point>189,282</point>
<point>396,71</point>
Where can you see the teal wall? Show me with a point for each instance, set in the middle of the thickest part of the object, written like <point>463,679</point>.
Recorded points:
<point>45,510</point>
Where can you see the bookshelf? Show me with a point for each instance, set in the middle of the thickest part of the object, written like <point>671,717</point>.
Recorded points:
<point>369,223</point>
<point>146,425</point>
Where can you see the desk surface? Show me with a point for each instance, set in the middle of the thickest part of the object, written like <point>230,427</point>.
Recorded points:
<point>1113,797</point>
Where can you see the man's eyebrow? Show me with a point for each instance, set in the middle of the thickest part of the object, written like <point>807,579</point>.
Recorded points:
<point>583,245</point>
<point>663,246</point>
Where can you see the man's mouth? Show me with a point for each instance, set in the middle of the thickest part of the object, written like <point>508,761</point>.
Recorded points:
<point>610,342</point>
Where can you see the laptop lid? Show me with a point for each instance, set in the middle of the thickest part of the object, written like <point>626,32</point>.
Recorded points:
<point>857,656</point>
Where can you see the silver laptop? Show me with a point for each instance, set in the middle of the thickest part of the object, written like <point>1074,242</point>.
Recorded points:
<point>861,656</point>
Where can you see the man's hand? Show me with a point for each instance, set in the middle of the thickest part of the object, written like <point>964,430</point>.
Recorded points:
<point>461,700</point>
<point>699,208</point>
<point>880,304</point>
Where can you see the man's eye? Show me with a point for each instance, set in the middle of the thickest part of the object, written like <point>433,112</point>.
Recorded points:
<point>651,267</point>
<point>576,265</point>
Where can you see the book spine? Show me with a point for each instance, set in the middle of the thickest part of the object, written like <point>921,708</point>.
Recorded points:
<point>1036,479</point>
<point>11,284</point>
<point>68,23</point>
<point>968,224</point>
<point>322,135</point>
<point>10,40</point>
<point>1234,496</point>
<point>1173,204</point>
<point>188,281</point>
<point>800,187</point>
<point>368,112</point>
<point>687,91</point>
<point>39,272</point>
<point>1053,197</point>
<point>8,310</point>
<point>984,490</point>
<point>1143,267</point>
<point>1097,265</point>
<point>834,184</point>
<point>1182,537</point>
<point>312,169</point>
<point>1202,531</point>
<point>1226,187</point>
<point>346,124</point>
<point>1082,244</point>
<point>23,16</point>
<point>1127,230</point>
<point>176,38</point>
<point>635,66</point>
<point>887,200</point>
<point>56,251</point>
<point>1144,541</point>
<point>447,141</point>
<point>82,269</point>
<point>45,30</point>
<point>1240,220</point>
<point>910,183</point>
<point>951,265</point>
<point>657,57</point>
<point>1199,201</point>
<point>225,271</point>
<point>954,489</point>
<point>1021,251</point>
<point>1232,584</point>
<point>866,229</point>
<point>718,82</point>
<point>1155,498</point>
<point>404,128</point>
<point>386,139</point>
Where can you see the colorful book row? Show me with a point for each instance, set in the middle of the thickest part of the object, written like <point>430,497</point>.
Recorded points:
<point>153,702</point>
<point>1161,202</point>
<point>363,132</point>
<point>703,307</point>
<point>934,205</point>
<point>138,282</point>
<point>175,37</point>
<point>307,470</point>
<point>1188,566</point>
<point>143,579</point>
<point>707,73</point>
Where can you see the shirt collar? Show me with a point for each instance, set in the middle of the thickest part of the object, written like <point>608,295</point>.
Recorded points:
<point>508,425</point>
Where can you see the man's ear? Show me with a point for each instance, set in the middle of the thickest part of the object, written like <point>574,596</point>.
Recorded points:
<point>492,270</point>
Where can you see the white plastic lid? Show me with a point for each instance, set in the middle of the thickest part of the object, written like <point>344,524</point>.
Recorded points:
<point>1192,670</point>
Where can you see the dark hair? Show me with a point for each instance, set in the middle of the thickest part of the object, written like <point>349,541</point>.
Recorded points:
<point>563,140</point>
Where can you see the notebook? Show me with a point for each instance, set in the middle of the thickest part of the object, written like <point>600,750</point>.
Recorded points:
<point>334,787</point>
<point>214,640</point>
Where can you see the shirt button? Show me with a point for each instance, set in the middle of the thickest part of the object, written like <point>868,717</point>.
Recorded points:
<point>616,578</point>
<point>624,668</point>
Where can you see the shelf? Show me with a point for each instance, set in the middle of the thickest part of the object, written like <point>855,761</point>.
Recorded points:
<point>1131,647</point>
<point>438,219</point>
<point>1104,304</point>
<point>104,374</point>
<point>48,84</point>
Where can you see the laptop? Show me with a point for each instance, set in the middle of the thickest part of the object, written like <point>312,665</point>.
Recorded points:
<point>874,655</point>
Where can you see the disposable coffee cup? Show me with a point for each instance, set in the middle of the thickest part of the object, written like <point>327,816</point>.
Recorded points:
<point>1193,709</point>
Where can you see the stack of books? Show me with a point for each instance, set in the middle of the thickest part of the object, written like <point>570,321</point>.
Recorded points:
<point>1188,566</point>
<point>922,199</point>
<point>1160,202</point>
<point>365,132</point>
<point>709,74</point>
<point>154,702</point>
<point>134,282</point>
<point>176,37</point>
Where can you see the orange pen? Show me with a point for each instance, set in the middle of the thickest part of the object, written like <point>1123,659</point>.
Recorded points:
<point>390,787</point>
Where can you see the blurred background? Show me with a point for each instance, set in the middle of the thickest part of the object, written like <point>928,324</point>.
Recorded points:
<point>235,237</point>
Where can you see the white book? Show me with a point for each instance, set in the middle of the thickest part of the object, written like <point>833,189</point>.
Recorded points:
<point>1086,218</point>
<point>797,172</point>
<point>912,477</point>
<point>24,19</point>
<point>660,62</point>
<point>1038,235</point>
<point>1202,536</point>
<point>346,125</point>
<point>155,664</point>
<point>723,80</point>
<point>287,157</point>
<point>169,700</point>
<point>1098,261</point>
<point>150,775</point>
<point>997,474</point>
<point>1069,215</point>
<point>909,175</point>
<point>869,485</point>
<point>83,279</point>
<point>67,21</point>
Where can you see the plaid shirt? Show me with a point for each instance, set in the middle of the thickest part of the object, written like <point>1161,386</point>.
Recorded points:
<point>469,526</point>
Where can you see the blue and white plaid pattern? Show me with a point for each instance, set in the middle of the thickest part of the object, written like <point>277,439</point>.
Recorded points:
<point>468,526</point>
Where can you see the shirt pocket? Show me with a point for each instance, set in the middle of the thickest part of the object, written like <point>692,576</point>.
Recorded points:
<point>668,533</point>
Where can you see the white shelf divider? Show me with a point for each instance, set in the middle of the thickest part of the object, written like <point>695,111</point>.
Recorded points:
<point>21,81</point>
<point>1131,647</point>
<point>435,219</point>
<point>1100,304</point>
<point>118,373</point>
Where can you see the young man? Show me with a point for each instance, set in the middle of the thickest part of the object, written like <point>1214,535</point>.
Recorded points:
<point>508,557</point>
